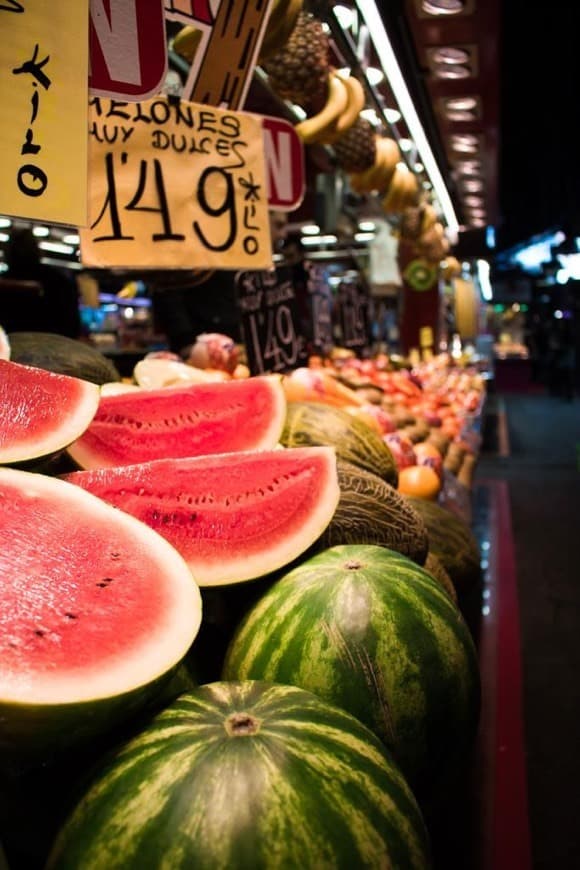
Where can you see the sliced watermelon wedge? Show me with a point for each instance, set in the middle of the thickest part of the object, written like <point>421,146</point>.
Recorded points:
<point>192,420</point>
<point>96,611</point>
<point>233,517</point>
<point>41,412</point>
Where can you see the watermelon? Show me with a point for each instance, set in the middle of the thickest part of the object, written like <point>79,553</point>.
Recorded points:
<point>63,355</point>
<point>370,511</point>
<point>370,631</point>
<point>452,541</point>
<point>97,611</point>
<point>246,776</point>
<point>41,412</point>
<point>310,423</point>
<point>191,420</point>
<point>233,517</point>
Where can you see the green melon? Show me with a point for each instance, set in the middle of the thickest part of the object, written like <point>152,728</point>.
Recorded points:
<point>246,776</point>
<point>436,569</point>
<point>452,541</point>
<point>369,630</point>
<point>65,356</point>
<point>370,511</point>
<point>311,423</point>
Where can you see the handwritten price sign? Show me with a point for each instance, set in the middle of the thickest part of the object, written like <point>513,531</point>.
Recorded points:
<point>175,185</point>
<point>43,110</point>
<point>267,303</point>
<point>352,303</point>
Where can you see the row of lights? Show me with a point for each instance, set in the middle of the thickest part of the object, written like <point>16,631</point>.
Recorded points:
<point>66,244</point>
<point>460,62</point>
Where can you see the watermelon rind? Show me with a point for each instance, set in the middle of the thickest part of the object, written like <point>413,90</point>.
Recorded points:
<point>62,355</point>
<point>246,775</point>
<point>54,537</point>
<point>233,517</point>
<point>187,420</point>
<point>41,412</point>
<point>369,630</point>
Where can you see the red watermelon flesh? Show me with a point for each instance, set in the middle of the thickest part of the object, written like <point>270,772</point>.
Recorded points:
<point>41,412</point>
<point>233,517</point>
<point>191,420</point>
<point>94,604</point>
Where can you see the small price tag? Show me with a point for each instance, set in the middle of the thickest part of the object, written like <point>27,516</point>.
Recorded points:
<point>352,303</point>
<point>175,185</point>
<point>270,322</point>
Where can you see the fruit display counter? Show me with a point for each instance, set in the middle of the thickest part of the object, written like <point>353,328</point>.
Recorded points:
<point>238,634</point>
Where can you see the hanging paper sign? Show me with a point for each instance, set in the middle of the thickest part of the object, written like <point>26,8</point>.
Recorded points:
<point>43,111</point>
<point>285,164</point>
<point>270,321</point>
<point>352,309</point>
<point>228,40</point>
<point>175,185</point>
<point>128,48</point>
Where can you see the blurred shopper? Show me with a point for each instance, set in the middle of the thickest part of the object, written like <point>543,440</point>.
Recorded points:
<point>50,306</point>
<point>562,359</point>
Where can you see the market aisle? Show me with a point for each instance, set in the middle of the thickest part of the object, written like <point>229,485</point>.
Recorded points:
<point>543,477</point>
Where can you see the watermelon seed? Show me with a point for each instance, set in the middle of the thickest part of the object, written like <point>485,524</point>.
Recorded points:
<point>39,632</point>
<point>71,616</point>
<point>105,582</point>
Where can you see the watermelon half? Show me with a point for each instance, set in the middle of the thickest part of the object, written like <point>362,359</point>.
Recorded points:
<point>233,517</point>
<point>96,610</point>
<point>246,776</point>
<point>41,412</point>
<point>192,420</point>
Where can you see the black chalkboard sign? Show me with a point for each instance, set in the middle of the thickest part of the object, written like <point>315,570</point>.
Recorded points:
<point>319,296</point>
<point>352,304</point>
<point>270,320</point>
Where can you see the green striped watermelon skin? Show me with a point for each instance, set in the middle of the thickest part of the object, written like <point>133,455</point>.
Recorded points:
<point>313,423</point>
<point>247,775</point>
<point>370,511</point>
<point>372,632</point>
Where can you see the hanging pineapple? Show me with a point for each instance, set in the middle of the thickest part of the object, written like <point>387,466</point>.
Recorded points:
<point>299,70</point>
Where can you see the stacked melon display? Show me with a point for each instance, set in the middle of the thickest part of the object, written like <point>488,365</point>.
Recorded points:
<point>342,684</point>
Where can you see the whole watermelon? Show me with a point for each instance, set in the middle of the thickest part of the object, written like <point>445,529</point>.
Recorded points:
<point>246,775</point>
<point>372,632</point>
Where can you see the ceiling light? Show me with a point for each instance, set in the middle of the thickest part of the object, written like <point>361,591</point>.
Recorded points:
<point>56,247</point>
<point>364,237</point>
<point>450,55</point>
<point>466,144</point>
<point>442,7</point>
<point>310,230</point>
<point>4,237</point>
<point>483,270</point>
<point>402,166</point>
<point>71,239</point>
<point>374,75</point>
<point>472,185</point>
<point>460,116</point>
<point>300,113</point>
<point>320,240</point>
<point>473,201</point>
<point>345,16</point>
<point>392,115</point>
<point>419,167</point>
<point>406,144</point>
<point>469,167</point>
<point>367,226</point>
<point>40,232</point>
<point>461,104</point>
<point>5,222</point>
<point>442,71</point>
<point>477,212</point>
<point>389,63</point>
